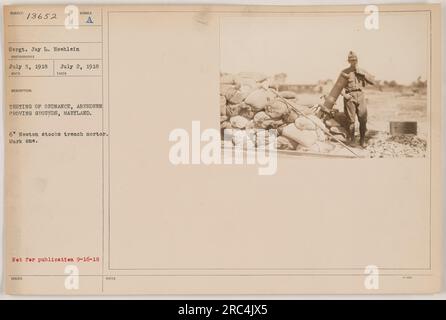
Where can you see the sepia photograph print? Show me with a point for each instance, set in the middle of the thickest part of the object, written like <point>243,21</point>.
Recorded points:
<point>333,84</point>
<point>232,150</point>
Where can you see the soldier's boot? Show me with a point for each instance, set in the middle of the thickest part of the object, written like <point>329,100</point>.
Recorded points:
<point>362,142</point>
<point>362,132</point>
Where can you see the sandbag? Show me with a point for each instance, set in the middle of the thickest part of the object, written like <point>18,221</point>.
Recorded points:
<point>276,110</point>
<point>246,82</point>
<point>283,143</point>
<point>246,91</point>
<point>227,91</point>
<point>288,94</point>
<point>320,135</point>
<point>304,137</point>
<point>304,123</point>
<point>259,99</point>
<point>301,108</point>
<point>238,122</point>
<point>246,111</point>
<point>264,121</point>
<point>319,123</point>
<point>265,84</point>
<point>290,116</point>
<point>237,97</point>
<point>310,122</point>
<point>261,120</point>
<point>233,110</point>
<point>223,118</point>
<point>280,128</point>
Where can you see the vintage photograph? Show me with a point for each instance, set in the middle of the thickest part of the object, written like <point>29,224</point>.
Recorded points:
<point>327,84</point>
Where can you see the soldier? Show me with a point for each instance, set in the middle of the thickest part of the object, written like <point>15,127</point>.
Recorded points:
<point>354,102</point>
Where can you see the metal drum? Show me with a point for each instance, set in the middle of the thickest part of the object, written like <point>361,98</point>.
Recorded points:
<point>398,128</point>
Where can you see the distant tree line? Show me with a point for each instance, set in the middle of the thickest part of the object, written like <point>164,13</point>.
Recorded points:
<point>418,86</point>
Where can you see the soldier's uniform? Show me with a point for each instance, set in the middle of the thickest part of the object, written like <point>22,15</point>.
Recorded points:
<point>356,106</point>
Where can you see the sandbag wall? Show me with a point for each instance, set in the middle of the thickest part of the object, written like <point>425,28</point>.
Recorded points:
<point>250,101</point>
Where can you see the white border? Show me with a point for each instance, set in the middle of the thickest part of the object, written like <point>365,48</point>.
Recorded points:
<point>3,296</point>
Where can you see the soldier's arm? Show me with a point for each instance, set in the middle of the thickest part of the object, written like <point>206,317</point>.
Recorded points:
<point>367,76</point>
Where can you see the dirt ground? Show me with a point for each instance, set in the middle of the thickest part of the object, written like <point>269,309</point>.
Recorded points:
<point>383,107</point>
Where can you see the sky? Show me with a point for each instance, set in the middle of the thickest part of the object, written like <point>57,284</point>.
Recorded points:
<point>312,47</point>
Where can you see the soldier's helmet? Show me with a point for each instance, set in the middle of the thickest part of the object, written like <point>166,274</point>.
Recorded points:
<point>352,56</point>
